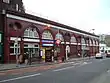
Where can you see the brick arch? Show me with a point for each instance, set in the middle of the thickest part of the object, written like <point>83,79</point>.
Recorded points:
<point>84,40</point>
<point>75,38</point>
<point>61,34</point>
<point>32,27</point>
<point>49,31</point>
<point>67,37</point>
<point>90,41</point>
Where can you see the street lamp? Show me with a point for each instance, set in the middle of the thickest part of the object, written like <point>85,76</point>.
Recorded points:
<point>92,31</point>
<point>17,46</point>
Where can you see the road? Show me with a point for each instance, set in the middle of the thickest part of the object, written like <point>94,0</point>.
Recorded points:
<point>88,71</point>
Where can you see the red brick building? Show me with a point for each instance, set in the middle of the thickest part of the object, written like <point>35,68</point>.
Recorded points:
<point>38,36</point>
<point>42,36</point>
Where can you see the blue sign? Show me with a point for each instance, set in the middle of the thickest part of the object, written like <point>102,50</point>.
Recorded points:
<point>47,44</point>
<point>48,41</point>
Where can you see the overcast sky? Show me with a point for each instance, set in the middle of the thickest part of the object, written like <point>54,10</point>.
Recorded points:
<point>81,14</point>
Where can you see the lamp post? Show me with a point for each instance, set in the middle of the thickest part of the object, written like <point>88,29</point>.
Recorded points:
<point>17,46</point>
<point>92,31</point>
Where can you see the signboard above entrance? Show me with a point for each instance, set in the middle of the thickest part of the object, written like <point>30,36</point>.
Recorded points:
<point>47,35</point>
<point>47,44</point>
<point>47,41</point>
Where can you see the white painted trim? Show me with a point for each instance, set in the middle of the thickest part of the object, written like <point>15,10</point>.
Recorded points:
<point>14,38</point>
<point>33,21</point>
<point>79,43</point>
<point>62,42</point>
<point>21,77</point>
<point>74,43</point>
<point>84,44</point>
<point>31,40</point>
<point>67,42</point>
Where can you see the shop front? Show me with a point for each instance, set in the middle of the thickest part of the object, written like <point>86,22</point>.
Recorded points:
<point>94,47</point>
<point>59,47</point>
<point>1,48</point>
<point>30,44</point>
<point>90,47</point>
<point>47,46</point>
<point>73,46</point>
<point>83,47</point>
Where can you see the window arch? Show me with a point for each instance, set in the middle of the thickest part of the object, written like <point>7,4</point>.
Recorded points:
<point>73,39</point>
<point>97,42</point>
<point>93,42</point>
<point>59,36</point>
<point>90,42</point>
<point>31,32</point>
<point>47,35</point>
<point>83,41</point>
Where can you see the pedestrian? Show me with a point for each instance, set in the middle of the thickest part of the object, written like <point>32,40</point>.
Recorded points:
<point>20,58</point>
<point>55,56</point>
<point>79,55</point>
<point>26,58</point>
<point>17,60</point>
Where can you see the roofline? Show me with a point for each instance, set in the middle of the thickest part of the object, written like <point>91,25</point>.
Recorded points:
<point>33,17</point>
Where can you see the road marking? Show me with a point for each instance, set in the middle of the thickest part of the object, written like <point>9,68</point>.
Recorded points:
<point>84,63</point>
<point>77,63</point>
<point>20,78</point>
<point>64,68</point>
<point>68,63</point>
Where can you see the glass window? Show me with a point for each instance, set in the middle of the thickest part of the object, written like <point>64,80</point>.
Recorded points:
<point>73,39</point>
<point>26,33</point>
<point>83,41</point>
<point>13,49</point>
<point>32,33</point>
<point>6,1</point>
<point>25,45</point>
<point>25,50</point>
<point>47,35</point>
<point>90,42</point>
<point>36,45</point>
<point>59,36</point>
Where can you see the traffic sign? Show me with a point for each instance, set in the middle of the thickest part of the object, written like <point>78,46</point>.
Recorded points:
<point>58,42</point>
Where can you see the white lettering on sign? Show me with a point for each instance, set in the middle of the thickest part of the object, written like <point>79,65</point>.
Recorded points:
<point>47,45</point>
<point>47,41</point>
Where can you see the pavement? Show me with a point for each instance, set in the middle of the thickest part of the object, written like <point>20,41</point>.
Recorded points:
<point>86,71</point>
<point>4,67</point>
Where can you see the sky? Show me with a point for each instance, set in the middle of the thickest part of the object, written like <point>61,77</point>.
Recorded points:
<point>81,14</point>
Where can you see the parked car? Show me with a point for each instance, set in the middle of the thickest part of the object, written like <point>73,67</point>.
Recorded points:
<point>99,56</point>
<point>108,53</point>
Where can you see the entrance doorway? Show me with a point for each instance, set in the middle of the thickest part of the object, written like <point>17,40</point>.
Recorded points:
<point>67,51</point>
<point>34,51</point>
<point>48,53</point>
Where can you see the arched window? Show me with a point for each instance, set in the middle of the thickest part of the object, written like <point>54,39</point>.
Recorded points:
<point>47,35</point>
<point>93,42</point>
<point>59,36</point>
<point>73,39</point>
<point>97,42</point>
<point>90,42</point>
<point>83,41</point>
<point>31,33</point>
